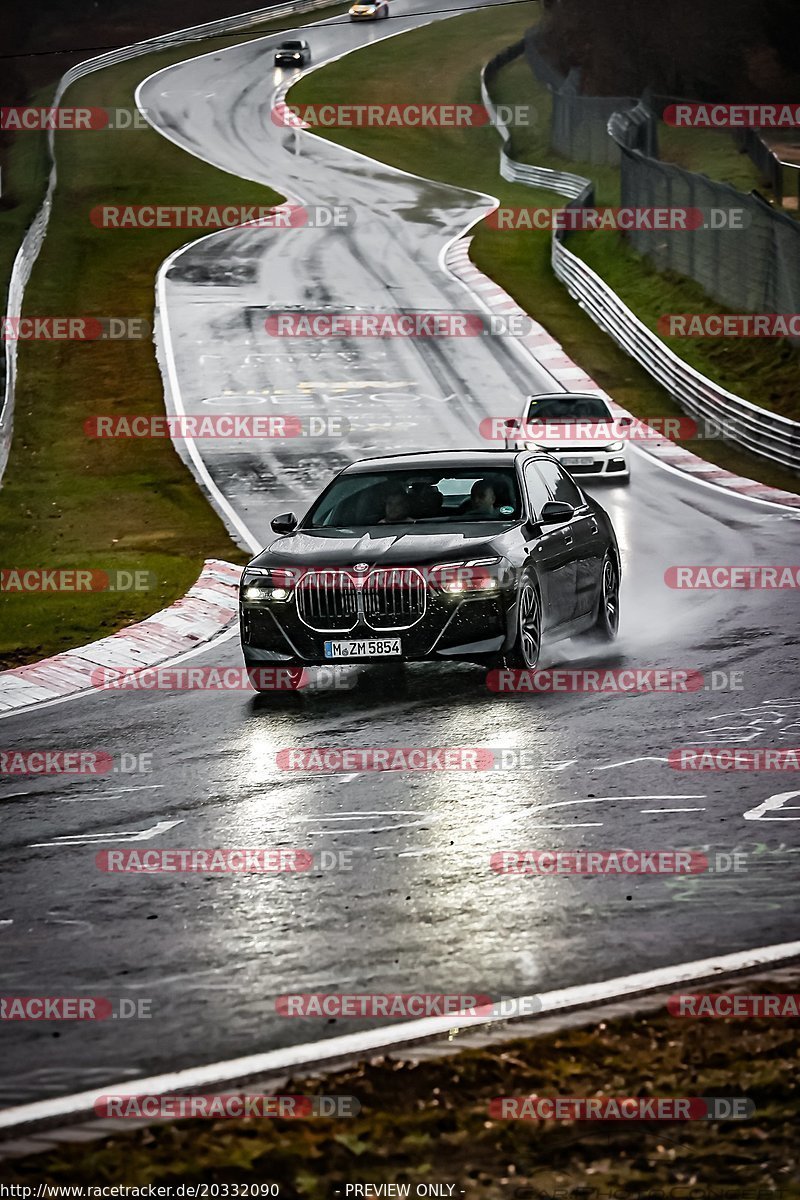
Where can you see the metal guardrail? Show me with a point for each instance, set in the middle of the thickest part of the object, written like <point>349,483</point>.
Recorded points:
<point>562,182</point>
<point>766,434</point>
<point>763,433</point>
<point>32,242</point>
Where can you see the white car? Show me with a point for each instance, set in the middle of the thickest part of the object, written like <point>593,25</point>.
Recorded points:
<point>579,430</point>
<point>372,11</point>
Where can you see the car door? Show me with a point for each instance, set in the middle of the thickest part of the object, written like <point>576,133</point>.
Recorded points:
<point>582,534</point>
<point>549,553</point>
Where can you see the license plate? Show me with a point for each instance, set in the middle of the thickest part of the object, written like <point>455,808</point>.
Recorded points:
<point>371,648</point>
<point>576,462</point>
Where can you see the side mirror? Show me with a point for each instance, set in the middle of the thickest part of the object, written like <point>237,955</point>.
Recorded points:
<point>624,421</point>
<point>285,523</point>
<point>555,511</point>
<point>511,427</point>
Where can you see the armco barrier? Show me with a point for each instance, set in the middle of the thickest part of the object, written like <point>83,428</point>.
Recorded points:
<point>32,242</point>
<point>766,434</point>
<point>562,182</point>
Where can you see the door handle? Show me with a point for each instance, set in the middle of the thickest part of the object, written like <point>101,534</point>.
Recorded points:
<point>568,538</point>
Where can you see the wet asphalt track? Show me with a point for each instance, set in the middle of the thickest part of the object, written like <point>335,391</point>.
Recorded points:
<point>419,909</point>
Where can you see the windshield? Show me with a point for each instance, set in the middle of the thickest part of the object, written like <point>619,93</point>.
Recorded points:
<point>570,408</point>
<point>426,499</point>
<point>291,46</point>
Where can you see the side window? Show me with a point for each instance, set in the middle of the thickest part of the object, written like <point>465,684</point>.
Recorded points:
<point>538,495</point>
<point>560,485</point>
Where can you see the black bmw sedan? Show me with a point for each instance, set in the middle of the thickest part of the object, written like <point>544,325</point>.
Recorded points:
<point>478,555</point>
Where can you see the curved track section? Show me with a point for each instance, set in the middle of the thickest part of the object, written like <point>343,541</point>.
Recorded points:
<point>419,909</point>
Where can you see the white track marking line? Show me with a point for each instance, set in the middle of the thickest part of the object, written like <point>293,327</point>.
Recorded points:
<point>670,797</point>
<point>360,816</point>
<point>314,1054</point>
<point>627,762</point>
<point>671,810</point>
<point>600,799</point>
<point>96,839</point>
<point>362,830</point>
<point>772,804</point>
<point>570,825</point>
<point>143,787</point>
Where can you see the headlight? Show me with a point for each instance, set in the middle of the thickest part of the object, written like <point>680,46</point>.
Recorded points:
<point>261,584</point>
<point>478,575</point>
<point>615,446</point>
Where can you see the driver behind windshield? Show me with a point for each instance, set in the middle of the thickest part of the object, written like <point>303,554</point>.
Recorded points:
<point>397,509</point>
<point>482,500</point>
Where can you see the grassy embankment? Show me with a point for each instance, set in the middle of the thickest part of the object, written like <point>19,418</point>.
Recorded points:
<point>68,501</point>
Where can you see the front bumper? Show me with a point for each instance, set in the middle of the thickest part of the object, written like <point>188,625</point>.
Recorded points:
<point>451,628</point>
<point>372,16</point>
<point>594,463</point>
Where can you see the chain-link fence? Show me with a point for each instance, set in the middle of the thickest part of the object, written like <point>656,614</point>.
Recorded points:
<point>579,124</point>
<point>764,159</point>
<point>744,255</point>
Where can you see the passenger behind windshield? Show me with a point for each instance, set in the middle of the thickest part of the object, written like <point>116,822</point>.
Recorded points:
<point>482,501</point>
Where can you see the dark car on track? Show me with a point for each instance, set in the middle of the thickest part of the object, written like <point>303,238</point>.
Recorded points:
<point>295,53</point>
<point>477,555</point>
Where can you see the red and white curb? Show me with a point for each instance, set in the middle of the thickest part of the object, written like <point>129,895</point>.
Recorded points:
<point>551,357</point>
<point>209,607</point>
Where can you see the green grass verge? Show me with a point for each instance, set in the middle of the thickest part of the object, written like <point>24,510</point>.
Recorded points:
<point>67,501</point>
<point>442,64</point>
<point>714,153</point>
<point>710,152</point>
<point>428,1122</point>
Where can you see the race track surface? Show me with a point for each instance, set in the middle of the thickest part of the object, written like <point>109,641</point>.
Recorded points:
<point>419,908</point>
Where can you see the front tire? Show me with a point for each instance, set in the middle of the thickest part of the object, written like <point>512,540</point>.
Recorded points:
<point>528,643</point>
<point>606,626</point>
